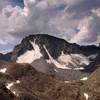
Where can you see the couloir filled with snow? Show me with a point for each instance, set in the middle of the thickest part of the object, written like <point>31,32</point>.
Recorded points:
<point>31,55</point>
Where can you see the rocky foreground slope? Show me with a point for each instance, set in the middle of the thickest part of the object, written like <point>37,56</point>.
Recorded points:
<point>23,82</point>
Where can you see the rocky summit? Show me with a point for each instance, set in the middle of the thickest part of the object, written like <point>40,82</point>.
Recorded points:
<point>44,67</point>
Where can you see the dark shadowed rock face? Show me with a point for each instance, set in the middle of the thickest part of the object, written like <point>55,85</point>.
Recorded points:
<point>23,82</point>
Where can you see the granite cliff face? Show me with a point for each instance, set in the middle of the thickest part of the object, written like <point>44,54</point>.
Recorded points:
<point>44,67</point>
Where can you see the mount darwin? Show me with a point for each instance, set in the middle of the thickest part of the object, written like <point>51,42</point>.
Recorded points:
<point>44,67</point>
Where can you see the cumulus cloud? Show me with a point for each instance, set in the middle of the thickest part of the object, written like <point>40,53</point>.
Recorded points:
<point>4,3</point>
<point>33,18</point>
<point>74,20</point>
<point>89,29</point>
<point>5,38</point>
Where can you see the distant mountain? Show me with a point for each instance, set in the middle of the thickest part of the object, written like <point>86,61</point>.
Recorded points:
<point>5,57</point>
<point>50,54</point>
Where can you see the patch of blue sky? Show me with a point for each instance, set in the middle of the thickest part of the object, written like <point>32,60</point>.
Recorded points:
<point>18,2</point>
<point>60,7</point>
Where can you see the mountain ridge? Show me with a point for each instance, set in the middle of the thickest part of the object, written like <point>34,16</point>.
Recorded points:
<point>50,42</point>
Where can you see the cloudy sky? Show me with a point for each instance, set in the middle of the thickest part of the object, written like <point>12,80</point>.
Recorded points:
<point>74,20</point>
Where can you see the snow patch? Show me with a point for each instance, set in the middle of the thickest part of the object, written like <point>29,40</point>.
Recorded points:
<point>73,60</point>
<point>14,92</point>
<point>31,55</point>
<point>64,60</point>
<point>10,85</point>
<point>57,64</point>
<point>55,70</point>
<point>3,70</point>
<point>48,61</point>
<point>18,82</point>
<point>86,96</point>
<point>93,56</point>
<point>81,58</point>
<point>79,68</point>
<point>84,78</point>
<point>67,81</point>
